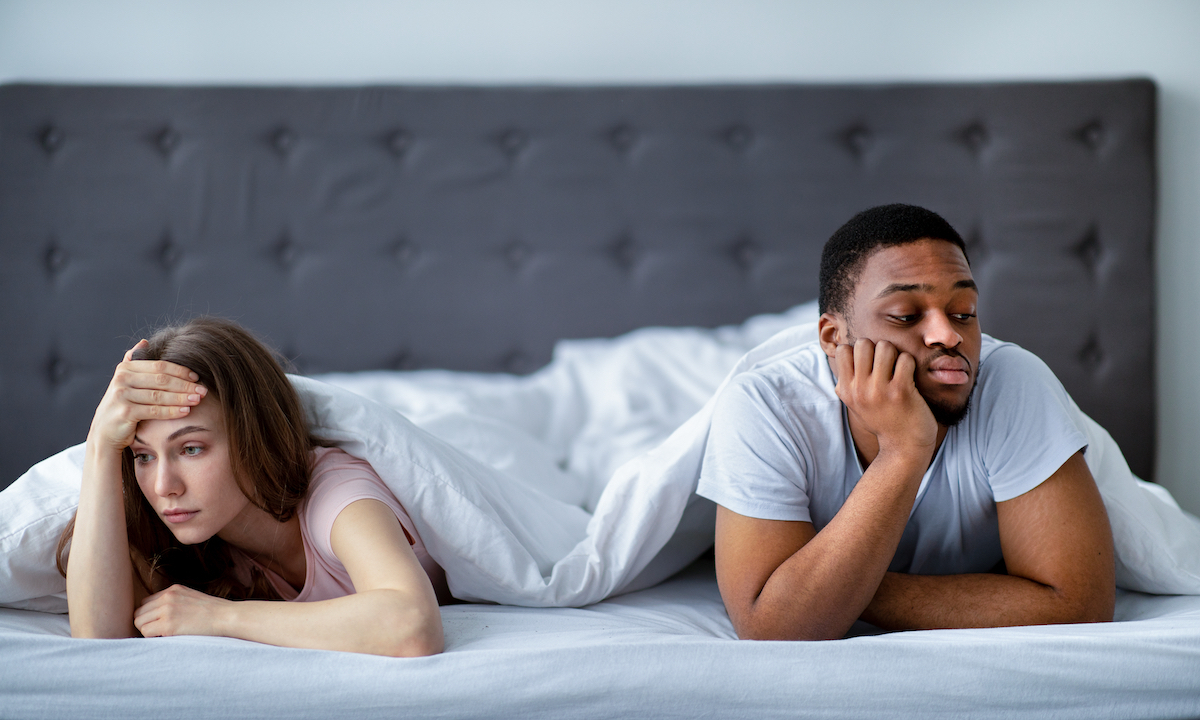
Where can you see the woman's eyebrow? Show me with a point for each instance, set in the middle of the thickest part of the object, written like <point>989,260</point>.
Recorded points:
<point>185,431</point>
<point>177,433</point>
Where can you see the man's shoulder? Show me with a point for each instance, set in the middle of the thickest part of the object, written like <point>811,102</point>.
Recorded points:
<point>1001,361</point>
<point>800,376</point>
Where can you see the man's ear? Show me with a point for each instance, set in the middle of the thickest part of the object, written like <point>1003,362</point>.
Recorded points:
<point>831,331</point>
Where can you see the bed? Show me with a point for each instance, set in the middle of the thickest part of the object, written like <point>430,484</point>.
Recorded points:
<point>406,243</point>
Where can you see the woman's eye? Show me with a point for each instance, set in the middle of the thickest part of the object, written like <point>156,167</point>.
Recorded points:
<point>192,450</point>
<point>141,458</point>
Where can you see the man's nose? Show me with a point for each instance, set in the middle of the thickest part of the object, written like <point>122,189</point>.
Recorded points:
<point>940,330</point>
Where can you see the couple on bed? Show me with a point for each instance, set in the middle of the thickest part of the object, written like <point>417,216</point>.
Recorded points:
<point>903,469</point>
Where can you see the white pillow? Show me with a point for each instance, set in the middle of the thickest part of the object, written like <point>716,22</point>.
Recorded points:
<point>34,510</point>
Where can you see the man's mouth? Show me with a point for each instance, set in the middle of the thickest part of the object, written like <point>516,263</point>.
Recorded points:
<point>179,516</point>
<point>950,370</point>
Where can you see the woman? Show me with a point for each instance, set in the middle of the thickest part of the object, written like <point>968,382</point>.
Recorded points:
<point>202,486</point>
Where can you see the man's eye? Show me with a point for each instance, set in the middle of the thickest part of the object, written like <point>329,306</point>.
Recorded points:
<point>904,318</point>
<point>963,317</point>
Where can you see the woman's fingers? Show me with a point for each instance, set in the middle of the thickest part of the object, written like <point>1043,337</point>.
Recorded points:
<point>142,396</point>
<point>160,373</point>
<point>129,352</point>
<point>158,376</point>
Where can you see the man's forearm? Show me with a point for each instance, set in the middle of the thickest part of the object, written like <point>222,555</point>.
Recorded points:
<point>923,602</point>
<point>821,589</point>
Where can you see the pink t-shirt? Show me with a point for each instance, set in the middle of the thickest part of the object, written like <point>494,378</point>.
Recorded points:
<point>339,479</point>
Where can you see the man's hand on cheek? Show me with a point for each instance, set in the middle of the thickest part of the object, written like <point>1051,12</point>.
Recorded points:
<point>875,381</point>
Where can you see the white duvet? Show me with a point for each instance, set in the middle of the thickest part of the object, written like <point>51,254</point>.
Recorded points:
<point>572,484</point>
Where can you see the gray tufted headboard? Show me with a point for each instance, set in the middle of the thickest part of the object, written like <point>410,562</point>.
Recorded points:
<point>470,228</point>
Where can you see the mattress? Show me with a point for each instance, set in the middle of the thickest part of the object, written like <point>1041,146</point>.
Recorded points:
<point>668,651</point>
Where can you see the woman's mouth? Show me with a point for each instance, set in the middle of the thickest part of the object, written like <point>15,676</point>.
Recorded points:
<point>179,516</point>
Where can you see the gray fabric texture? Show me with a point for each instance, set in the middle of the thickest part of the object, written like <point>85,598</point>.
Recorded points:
<point>471,228</point>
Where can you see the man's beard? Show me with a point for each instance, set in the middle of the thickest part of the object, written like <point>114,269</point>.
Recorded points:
<point>950,415</point>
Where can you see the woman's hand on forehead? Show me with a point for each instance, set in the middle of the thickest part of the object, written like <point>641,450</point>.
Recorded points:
<point>143,390</point>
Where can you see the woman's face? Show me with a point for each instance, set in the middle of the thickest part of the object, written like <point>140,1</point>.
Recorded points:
<point>183,469</point>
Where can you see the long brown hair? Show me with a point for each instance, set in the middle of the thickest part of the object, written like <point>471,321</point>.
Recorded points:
<point>269,452</point>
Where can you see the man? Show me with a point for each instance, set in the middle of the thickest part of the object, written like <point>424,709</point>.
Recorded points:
<point>904,469</point>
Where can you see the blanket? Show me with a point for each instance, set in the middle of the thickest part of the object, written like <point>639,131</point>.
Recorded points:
<point>575,483</point>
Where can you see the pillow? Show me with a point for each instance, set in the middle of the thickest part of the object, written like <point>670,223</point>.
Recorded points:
<point>34,510</point>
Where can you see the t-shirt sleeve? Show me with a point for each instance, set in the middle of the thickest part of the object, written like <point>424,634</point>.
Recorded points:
<point>339,479</point>
<point>1029,427</point>
<point>752,464</point>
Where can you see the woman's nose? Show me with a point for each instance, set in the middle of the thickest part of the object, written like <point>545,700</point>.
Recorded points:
<point>166,482</point>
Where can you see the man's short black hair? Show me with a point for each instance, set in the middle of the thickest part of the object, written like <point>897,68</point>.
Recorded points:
<point>847,251</point>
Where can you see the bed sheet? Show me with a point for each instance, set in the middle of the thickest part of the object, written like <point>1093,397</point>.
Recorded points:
<point>663,652</point>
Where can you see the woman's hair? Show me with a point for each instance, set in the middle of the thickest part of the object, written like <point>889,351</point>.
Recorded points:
<point>269,453</point>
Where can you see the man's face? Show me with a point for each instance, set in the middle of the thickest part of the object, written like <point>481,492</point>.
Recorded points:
<point>921,298</point>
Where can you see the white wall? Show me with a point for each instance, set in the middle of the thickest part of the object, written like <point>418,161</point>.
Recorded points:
<point>663,41</point>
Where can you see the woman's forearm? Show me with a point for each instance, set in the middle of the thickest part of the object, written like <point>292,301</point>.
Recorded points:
<point>378,622</point>
<point>99,570</point>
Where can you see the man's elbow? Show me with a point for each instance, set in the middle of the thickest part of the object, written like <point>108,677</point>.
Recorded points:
<point>1100,607</point>
<point>751,628</point>
<point>1086,605</point>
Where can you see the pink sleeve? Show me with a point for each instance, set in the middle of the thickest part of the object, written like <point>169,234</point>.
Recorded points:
<point>339,479</point>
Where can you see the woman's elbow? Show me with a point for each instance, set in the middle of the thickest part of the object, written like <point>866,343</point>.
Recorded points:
<point>413,633</point>
<point>422,646</point>
<point>93,632</point>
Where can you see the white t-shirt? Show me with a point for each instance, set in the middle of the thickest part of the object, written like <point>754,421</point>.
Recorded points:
<point>780,449</point>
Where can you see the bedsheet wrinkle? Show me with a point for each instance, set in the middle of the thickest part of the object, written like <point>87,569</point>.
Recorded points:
<point>514,485</point>
<point>662,652</point>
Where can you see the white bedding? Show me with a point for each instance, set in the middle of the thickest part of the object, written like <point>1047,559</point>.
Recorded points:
<point>508,514</point>
<point>665,652</point>
<point>509,482</point>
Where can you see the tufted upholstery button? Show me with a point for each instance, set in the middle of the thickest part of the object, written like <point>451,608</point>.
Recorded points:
<point>517,254</point>
<point>404,251</point>
<point>292,360</point>
<point>167,140</point>
<point>974,136</point>
<point>622,137</point>
<point>512,141</point>
<point>1089,250</point>
<point>744,252</point>
<point>517,363</point>
<point>399,141</point>
<point>403,360</point>
<point>1091,134</point>
<point>283,140</point>
<point>286,252</point>
<point>1091,356</point>
<point>57,369</point>
<point>977,249</point>
<point>624,252</point>
<point>738,137</point>
<point>51,138</point>
<point>56,259</point>
<point>168,253</point>
<point>858,140</point>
